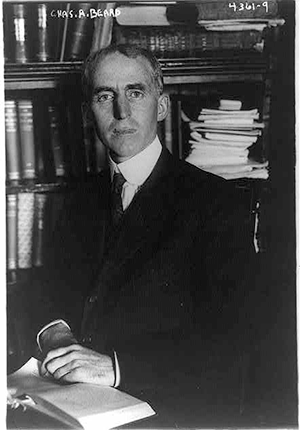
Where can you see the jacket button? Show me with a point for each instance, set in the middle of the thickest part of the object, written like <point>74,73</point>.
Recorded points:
<point>87,339</point>
<point>92,299</point>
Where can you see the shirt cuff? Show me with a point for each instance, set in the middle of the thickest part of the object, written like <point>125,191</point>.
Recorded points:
<point>52,323</point>
<point>117,371</point>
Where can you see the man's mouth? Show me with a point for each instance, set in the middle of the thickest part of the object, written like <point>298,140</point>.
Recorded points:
<point>123,131</point>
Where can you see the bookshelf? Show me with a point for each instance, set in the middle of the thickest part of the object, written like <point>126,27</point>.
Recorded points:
<point>200,66</point>
<point>194,81</point>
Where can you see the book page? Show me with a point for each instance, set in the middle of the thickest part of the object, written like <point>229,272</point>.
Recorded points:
<point>28,378</point>
<point>83,403</point>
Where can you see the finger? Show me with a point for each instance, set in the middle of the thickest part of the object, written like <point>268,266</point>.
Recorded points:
<point>59,352</point>
<point>88,375</point>
<point>76,374</point>
<point>63,350</point>
<point>44,372</point>
<point>57,358</point>
<point>69,367</point>
<point>53,365</point>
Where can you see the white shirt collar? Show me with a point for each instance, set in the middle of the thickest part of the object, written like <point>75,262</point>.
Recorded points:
<point>138,168</point>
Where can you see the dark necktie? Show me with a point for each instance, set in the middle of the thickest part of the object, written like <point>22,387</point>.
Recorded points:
<point>116,201</point>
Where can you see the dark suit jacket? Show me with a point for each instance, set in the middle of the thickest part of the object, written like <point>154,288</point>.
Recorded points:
<point>166,289</point>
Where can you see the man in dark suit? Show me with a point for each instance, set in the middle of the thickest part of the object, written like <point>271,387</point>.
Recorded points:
<point>150,259</point>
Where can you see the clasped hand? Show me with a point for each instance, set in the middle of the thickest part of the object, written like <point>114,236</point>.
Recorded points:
<point>75,363</point>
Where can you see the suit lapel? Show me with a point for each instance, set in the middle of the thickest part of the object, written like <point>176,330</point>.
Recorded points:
<point>142,223</point>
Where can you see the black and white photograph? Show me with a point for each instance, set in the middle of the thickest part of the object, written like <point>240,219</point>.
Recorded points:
<point>150,214</point>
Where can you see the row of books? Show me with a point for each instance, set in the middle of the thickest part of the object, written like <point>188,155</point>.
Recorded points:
<point>30,221</point>
<point>41,143</point>
<point>46,32</point>
<point>222,139</point>
<point>41,32</point>
<point>187,29</point>
<point>172,42</point>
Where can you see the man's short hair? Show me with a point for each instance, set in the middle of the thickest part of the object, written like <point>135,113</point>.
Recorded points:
<point>130,51</point>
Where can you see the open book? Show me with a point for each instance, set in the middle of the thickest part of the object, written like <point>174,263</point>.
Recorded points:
<point>78,405</point>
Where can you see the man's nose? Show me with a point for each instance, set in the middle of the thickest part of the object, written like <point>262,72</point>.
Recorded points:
<point>121,108</point>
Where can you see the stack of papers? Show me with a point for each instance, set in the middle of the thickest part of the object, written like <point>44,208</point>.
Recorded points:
<point>253,24</point>
<point>221,138</point>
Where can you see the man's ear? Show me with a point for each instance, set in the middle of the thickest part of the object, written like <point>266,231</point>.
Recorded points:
<point>163,107</point>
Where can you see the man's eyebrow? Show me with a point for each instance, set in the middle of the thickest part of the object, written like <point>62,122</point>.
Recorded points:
<point>98,90</point>
<point>136,86</point>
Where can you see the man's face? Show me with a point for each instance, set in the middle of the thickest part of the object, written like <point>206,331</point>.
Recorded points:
<point>125,105</point>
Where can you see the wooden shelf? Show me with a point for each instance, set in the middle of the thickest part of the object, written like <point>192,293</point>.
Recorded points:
<point>215,67</point>
<point>32,76</point>
<point>211,67</point>
<point>16,279</point>
<point>39,187</point>
<point>203,79</point>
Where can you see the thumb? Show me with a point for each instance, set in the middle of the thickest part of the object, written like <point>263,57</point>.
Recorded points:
<point>43,371</point>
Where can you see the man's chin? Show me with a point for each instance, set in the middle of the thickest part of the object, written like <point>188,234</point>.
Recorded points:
<point>125,145</point>
<point>122,139</point>
<point>120,154</point>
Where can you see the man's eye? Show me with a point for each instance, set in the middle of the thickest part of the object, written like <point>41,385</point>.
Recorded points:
<point>104,97</point>
<point>135,94</point>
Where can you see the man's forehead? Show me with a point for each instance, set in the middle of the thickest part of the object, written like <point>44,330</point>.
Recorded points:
<point>118,66</point>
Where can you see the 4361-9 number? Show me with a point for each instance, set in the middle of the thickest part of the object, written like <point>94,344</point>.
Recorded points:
<point>248,6</point>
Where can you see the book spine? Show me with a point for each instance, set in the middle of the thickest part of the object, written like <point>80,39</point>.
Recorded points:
<point>44,155</point>
<point>21,35</point>
<point>88,137</point>
<point>43,49</point>
<point>101,153</point>
<point>40,203</point>
<point>168,130</point>
<point>64,34</point>
<point>152,43</point>
<point>79,41</point>
<point>74,126</point>
<point>182,43</point>
<point>170,45</point>
<point>40,163</point>
<point>162,45</point>
<point>238,39</point>
<point>25,110</point>
<point>177,115</point>
<point>12,141</point>
<point>106,27</point>
<point>95,151</point>
<point>12,231</point>
<point>56,208</point>
<point>25,229</point>
<point>8,32</point>
<point>60,164</point>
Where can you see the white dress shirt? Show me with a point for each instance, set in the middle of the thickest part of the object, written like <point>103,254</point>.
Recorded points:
<point>136,171</point>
